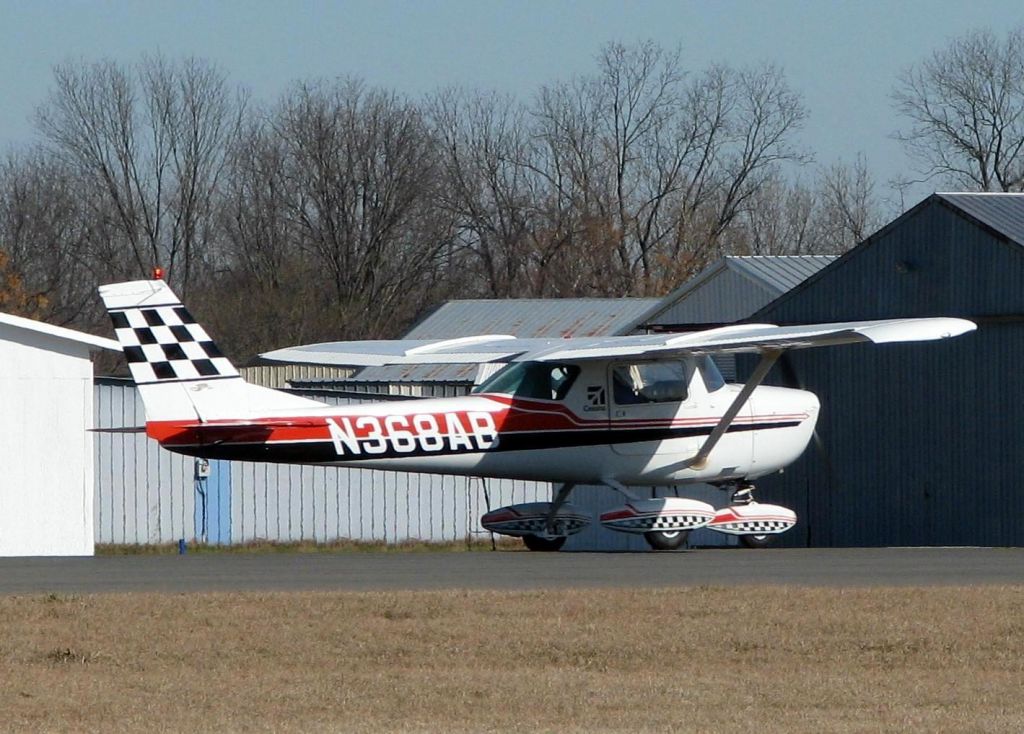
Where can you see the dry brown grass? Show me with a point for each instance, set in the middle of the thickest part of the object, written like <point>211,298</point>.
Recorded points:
<point>699,659</point>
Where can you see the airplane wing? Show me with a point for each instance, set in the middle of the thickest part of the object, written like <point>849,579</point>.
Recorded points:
<point>727,339</point>
<point>465,350</point>
<point>754,338</point>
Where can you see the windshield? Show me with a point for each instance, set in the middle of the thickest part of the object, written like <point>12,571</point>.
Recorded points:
<point>540,380</point>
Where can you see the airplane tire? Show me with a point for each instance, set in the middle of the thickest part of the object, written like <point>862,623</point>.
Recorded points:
<point>756,541</point>
<point>666,540</point>
<point>544,545</point>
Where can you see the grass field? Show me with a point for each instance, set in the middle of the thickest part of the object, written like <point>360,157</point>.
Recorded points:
<point>770,659</point>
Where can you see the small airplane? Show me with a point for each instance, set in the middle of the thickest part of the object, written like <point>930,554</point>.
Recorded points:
<point>622,411</point>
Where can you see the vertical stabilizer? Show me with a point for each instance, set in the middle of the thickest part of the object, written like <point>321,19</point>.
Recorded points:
<point>180,372</point>
<point>161,340</point>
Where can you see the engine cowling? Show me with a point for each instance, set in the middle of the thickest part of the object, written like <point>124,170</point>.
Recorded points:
<point>531,518</point>
<point>659,514</point>
<point>753,519</point>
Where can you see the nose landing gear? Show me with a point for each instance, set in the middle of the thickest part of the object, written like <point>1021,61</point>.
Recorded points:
<point>742,493</point>
<point>753,523</point>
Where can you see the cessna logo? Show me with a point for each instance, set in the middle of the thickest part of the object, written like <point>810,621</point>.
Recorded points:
<point>595,398</point>
<point>406,434</point>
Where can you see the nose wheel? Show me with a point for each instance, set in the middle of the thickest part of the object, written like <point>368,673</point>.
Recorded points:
<point>544,545</point>
<point>755,541</point>
<point>666,540</point>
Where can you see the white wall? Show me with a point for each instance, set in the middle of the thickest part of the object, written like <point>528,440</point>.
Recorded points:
<point>46,456</point>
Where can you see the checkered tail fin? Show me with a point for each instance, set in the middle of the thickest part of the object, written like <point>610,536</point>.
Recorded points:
<point>161,340</point>
<point>178,369</point>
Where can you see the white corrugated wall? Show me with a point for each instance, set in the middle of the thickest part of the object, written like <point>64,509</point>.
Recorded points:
<point>146,495</point>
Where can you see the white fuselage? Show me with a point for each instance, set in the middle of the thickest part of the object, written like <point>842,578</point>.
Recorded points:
<point>593,422</point>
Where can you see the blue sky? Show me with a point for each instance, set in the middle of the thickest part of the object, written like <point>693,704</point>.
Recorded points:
<point>843,57</point>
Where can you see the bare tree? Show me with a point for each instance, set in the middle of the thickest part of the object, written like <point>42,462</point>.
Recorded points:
<point>664,160</point>
<point>748,118</point>
<point>269,292</point>
<point>607,148</point>
<point>43,233</point>
<point>148,145</point>
<point>965,108</point>
<point>835,213</point>
<point>486,189</point>
<point>361,178</point>
<point>780,219</point>
<point>344,211</point>
<point>577,248</point>
<point>849,211</point>
<point>636,93</point>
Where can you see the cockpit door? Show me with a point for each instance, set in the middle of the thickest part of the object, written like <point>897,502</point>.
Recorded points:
<point>671,407</point>
<point>652,406</point>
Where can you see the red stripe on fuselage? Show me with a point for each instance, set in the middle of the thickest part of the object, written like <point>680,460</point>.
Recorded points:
<point>514,416</point>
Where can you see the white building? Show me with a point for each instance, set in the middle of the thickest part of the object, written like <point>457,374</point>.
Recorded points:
<point>46,451</point>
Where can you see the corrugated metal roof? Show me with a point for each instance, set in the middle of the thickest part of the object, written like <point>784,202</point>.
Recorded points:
<point>465,373</point>
<point>1002,212</point>
<point>780,273</point>
<point>733,288</point>
<point>279,376</point>
<point>522,317</point>
<point>531,317</point>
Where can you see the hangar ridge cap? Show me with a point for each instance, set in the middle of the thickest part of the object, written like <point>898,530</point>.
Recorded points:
<point>60,332</point>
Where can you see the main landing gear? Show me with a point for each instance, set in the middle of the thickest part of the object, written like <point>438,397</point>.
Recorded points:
<point>665,522</point>
<point>543,526</point>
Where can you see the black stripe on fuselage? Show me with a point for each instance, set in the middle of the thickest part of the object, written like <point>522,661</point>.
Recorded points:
<point>325,452</point>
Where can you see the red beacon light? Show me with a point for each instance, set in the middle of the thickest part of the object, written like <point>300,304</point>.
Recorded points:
<point>158,273</point>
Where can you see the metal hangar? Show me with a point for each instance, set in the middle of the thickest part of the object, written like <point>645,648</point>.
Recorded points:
<point>919,442</point>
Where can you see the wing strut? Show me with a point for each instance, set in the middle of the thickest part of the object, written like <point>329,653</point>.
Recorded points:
<point>768,358</point>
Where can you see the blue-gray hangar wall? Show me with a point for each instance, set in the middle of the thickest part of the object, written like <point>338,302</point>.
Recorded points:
<point>920,444</point>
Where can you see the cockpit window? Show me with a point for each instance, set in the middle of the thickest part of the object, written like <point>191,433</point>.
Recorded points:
<point>651,382</point>
<point>539,380</point>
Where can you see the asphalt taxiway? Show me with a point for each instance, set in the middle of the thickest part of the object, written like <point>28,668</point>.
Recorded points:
<point>512,570</point>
